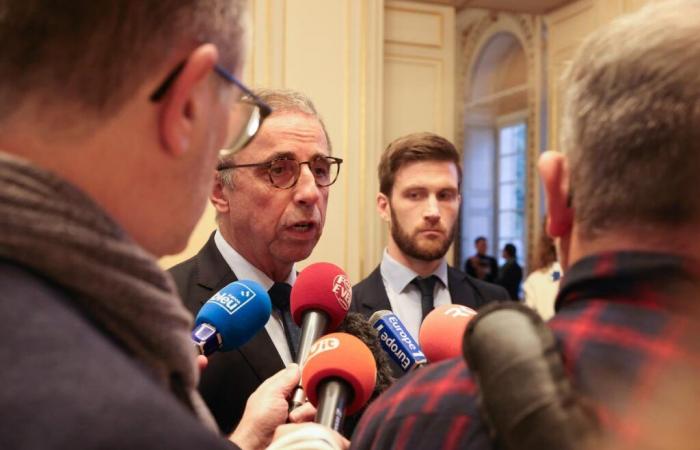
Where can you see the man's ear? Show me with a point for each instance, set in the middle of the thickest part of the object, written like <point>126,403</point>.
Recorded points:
<point>384,207</point>
<point>554,173</point>
<point>218,196</point>
<point>181,105</point>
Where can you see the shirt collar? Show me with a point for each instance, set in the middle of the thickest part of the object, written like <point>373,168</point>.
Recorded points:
<point>399,276</point>
<point>649,277</point>
<point>243,269</point>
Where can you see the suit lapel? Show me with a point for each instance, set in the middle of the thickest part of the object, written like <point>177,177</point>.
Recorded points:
<point>214,274</point>
<point>378,300</point>
<point>461,291</point>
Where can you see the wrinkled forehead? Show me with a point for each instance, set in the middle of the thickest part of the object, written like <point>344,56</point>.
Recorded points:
<point>289,134</point>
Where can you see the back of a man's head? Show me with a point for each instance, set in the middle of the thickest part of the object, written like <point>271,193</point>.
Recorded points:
<point>631,126</point>
<point>92,55</point>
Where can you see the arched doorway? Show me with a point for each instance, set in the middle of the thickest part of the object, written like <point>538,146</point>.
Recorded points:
<point>496,125</point>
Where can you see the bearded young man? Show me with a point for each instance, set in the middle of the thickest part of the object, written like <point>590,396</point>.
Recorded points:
<point>419,198</point>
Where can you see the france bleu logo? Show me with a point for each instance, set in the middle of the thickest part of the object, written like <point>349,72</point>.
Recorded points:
<point>233,298</point>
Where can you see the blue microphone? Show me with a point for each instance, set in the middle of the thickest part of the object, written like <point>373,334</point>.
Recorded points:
<point>396,341</point>
<point>231,317</point>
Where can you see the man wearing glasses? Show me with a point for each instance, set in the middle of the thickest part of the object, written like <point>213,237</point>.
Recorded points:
<point>112,118</point>
<point>270,201</point>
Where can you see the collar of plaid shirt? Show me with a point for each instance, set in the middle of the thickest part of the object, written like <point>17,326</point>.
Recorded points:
<point>652,279</point>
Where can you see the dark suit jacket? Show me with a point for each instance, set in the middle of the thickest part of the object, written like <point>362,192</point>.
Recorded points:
<point>509,276</point>
<point>230,377</point>
<point>369,295</point>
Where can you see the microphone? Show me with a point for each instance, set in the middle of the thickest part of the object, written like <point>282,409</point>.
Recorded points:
<point>319,301</point>
<point>441,332</point>
<point>339,377</point>
<point>525,394</point>
<point>396,341</point>
<point>231,317</point>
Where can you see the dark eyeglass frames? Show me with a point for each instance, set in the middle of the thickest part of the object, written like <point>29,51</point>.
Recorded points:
<point>284,172</point>
<point>246,115</point>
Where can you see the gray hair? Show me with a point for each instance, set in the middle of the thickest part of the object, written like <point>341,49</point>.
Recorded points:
<point>631,120</point>
<point>281,101</point>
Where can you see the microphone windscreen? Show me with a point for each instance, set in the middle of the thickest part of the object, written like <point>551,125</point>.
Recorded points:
<point>441,332</point>
<point>321,287</point>
<point>356,325</point>
<point>340,356</point>
<point>238,312</point>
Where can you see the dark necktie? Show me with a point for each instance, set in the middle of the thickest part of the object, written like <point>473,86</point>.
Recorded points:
<point>426,287</point>
<point>279,294</point>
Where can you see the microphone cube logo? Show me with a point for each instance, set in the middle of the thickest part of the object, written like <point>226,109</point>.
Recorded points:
<point>231,300</point>
<point>323,345</point>
<point>456,311</point>
<point>342,291</point>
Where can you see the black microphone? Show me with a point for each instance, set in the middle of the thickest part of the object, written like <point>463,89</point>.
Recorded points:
<point>525,394</point>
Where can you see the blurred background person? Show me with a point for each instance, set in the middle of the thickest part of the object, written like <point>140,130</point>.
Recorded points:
<point>510,273</point>
<point>480,265</point>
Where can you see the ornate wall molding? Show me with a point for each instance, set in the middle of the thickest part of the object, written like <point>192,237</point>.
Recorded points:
<point>473,37</point>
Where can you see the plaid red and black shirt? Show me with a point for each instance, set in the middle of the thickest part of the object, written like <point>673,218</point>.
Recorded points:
<point>622,331</point>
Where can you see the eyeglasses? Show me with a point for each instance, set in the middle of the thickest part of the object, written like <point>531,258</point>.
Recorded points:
<point>284,172</point>
<point>246,115</point>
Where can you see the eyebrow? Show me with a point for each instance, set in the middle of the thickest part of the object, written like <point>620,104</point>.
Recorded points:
<point>292,155</point>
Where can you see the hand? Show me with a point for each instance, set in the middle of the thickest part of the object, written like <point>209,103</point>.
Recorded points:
<point>202,362</point>
<point>266,409</point>
<point>304,413</point>
<point>307,436</point>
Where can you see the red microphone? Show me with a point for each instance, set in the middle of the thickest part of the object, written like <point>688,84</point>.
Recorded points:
<point>319,301</point>
<point>339,377</point>
<point>442,330</point>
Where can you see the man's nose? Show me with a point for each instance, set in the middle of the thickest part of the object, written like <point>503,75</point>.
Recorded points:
<point>432,210</point>
<point>306,192</point>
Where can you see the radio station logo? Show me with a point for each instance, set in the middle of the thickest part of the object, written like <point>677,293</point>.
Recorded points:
<point>231,300</point>
<point>459,311</point>
<point>342,291</point>
<point>323,345</point>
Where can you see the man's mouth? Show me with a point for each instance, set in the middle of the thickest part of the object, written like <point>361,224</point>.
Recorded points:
<point>303,226</point>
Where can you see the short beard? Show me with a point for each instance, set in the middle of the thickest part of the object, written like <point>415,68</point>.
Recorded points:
<point>408,245</point>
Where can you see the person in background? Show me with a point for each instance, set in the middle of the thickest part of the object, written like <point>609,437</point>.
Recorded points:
<point>419,179</point>
<point>510,274</point>
<point>541,286</point>
<point>480,265</point>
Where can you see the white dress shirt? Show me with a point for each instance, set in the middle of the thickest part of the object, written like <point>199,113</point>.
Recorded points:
<point>404,297</point>
<point>246,271</point>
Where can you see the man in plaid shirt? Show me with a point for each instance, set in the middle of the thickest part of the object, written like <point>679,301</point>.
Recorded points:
<point>624,207</point>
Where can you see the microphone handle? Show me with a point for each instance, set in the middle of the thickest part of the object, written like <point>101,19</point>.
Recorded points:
<point>313,326</point>
<point>333,396</point>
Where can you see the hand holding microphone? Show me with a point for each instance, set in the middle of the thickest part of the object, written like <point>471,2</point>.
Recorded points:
<point>231,317</point>
<point>319,301</point>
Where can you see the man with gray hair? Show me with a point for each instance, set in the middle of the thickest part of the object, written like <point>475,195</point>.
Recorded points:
<point>112,116</point>
<point>270,201</point>
<point>624,207</point>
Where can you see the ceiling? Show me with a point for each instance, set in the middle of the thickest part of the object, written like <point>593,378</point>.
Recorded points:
<point>520,6</point>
